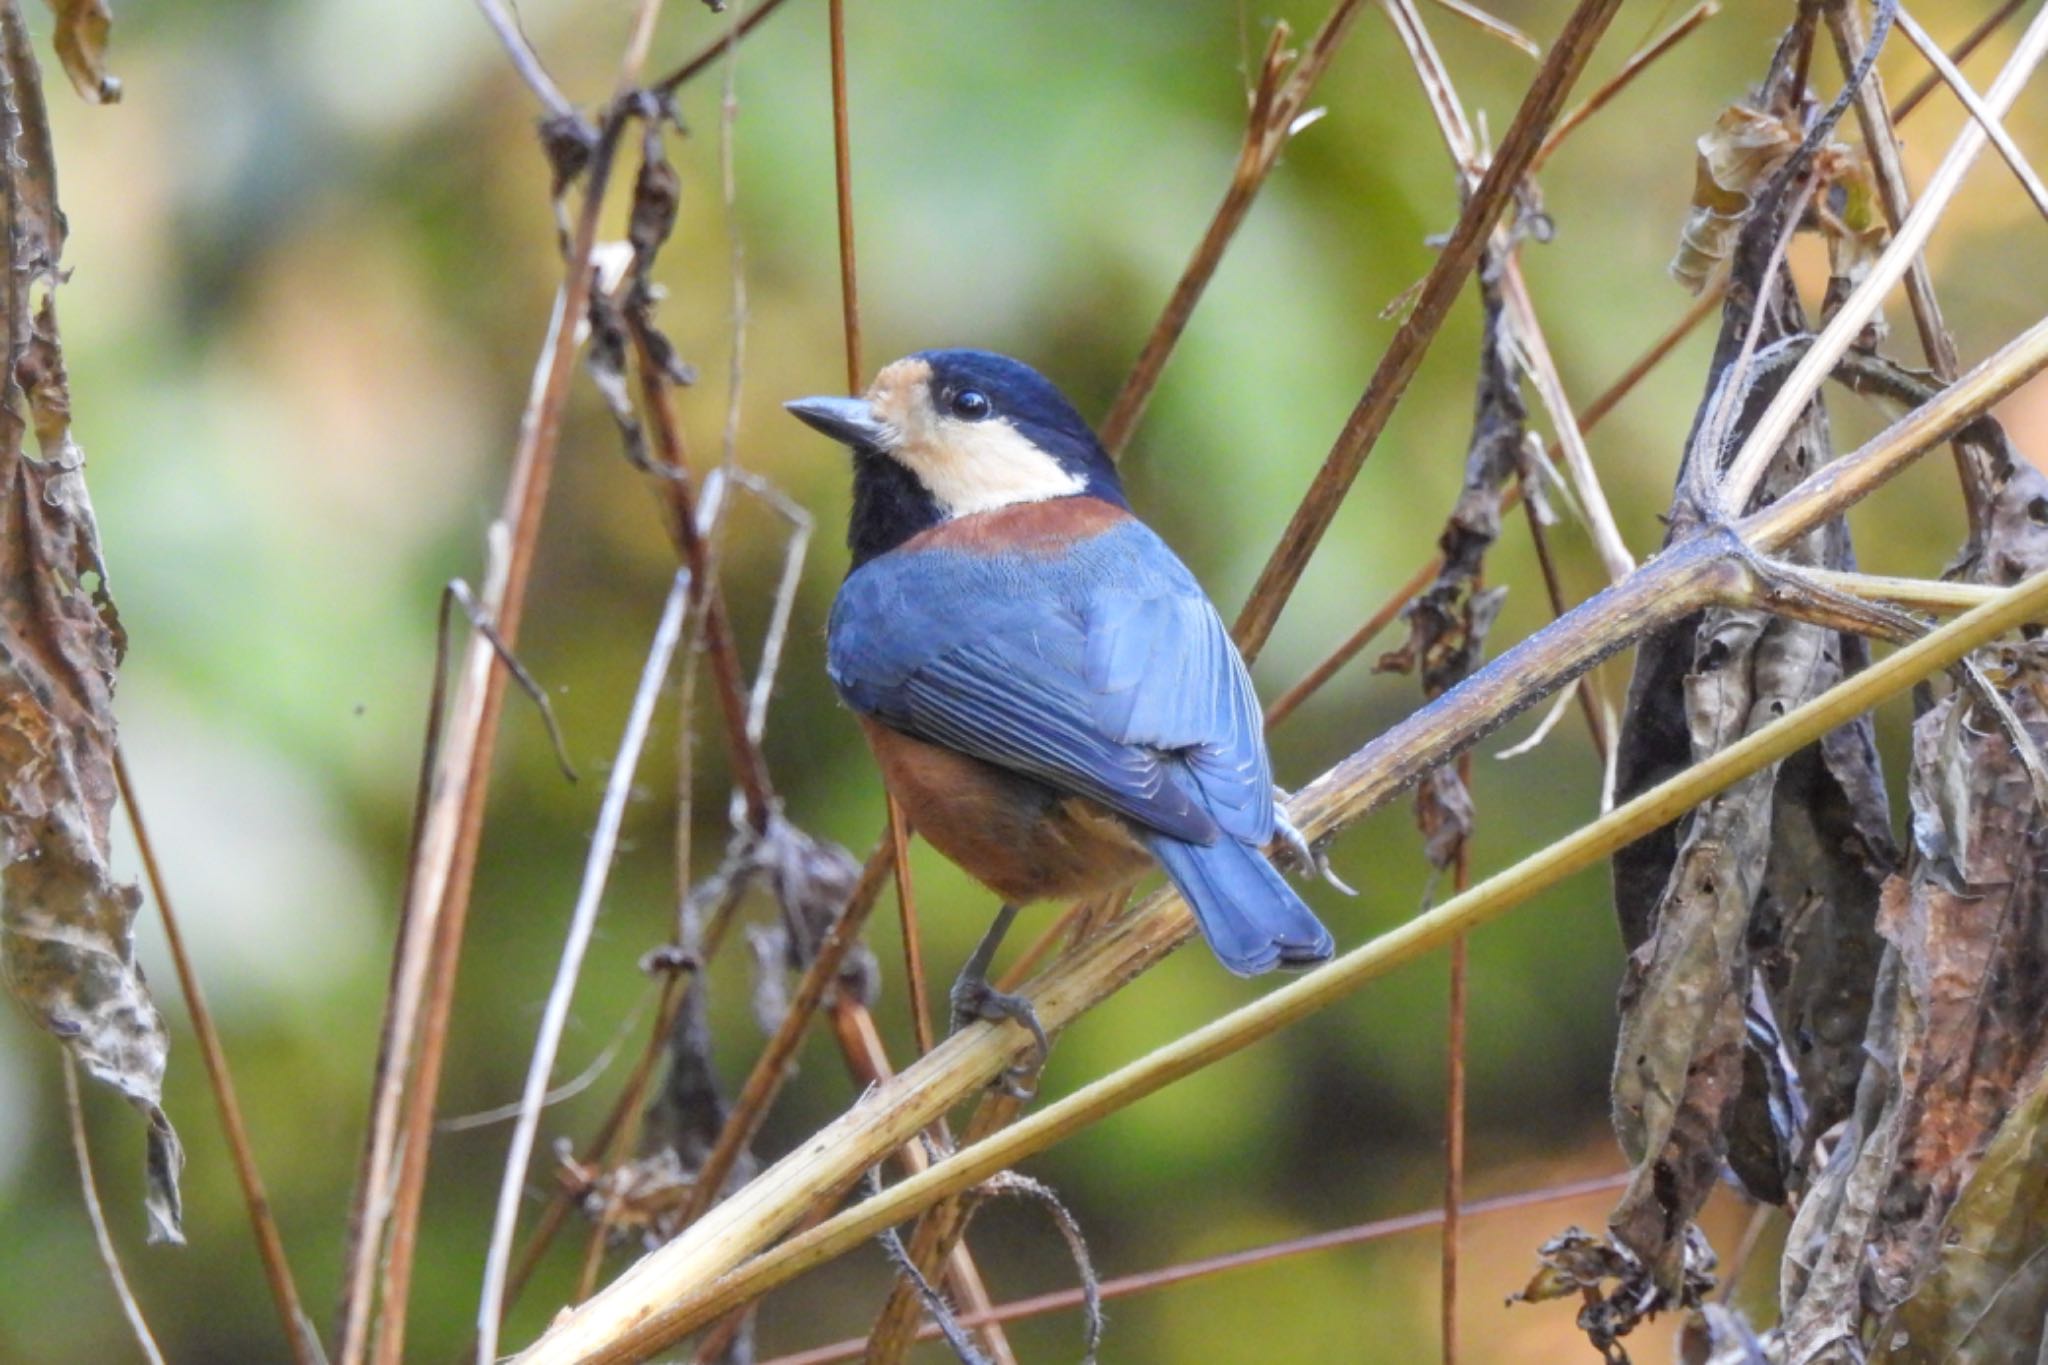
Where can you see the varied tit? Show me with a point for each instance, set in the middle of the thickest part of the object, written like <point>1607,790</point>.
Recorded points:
<point>1047,690</point>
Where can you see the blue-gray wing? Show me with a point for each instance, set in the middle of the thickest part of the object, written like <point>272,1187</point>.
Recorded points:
<point>1106,674</point>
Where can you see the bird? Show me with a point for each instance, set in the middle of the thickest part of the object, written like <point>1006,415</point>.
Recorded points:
<point>1047,691</point>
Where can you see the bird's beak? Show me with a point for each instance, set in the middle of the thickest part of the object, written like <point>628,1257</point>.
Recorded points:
<point>851,421</point>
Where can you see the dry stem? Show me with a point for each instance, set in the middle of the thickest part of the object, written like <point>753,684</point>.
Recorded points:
<point>262,1222</point>
<point>582,925</point>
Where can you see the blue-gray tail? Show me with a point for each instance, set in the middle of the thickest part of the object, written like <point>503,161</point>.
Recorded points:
<point>1251,917</point>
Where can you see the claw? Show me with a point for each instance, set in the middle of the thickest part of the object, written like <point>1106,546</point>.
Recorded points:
<point>1312,858</point>
<point>975,999</point>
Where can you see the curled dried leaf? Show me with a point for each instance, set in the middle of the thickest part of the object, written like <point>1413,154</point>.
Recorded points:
<point>1735,157</point>
<point>67,946</point>
<point>82,28</point>
<point>1617,1291</point>
<point>1856,231</point>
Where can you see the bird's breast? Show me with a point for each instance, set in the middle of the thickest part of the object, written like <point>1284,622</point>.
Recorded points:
<point>1014,834</point>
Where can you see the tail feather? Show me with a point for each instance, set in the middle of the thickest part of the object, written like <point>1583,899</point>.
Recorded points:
<point>1253,920</point>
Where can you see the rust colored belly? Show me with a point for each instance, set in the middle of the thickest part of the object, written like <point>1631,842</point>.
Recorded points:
<point>1015,835</point>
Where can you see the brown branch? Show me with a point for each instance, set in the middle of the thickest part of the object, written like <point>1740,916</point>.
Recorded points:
<point>750,766</point>
<point>1620,80</point>
<point>1446,279</point>
<point>1454,1107</point>
<point>842,177</point>
<point>712,51</point>
<point>1313,681</point>
<point>1278,97</point>
<point>277,1269</point>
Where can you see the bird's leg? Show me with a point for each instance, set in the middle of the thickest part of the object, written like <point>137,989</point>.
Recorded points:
<point>974,998</point>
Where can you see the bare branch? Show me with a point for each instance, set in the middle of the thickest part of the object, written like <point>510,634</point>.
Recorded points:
<point>582,924</point>
<point>524,59</point>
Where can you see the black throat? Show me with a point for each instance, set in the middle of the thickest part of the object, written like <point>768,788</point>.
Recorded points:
<point>890,506</point>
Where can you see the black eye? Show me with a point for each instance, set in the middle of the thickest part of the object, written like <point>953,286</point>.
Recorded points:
<point>970,404</point>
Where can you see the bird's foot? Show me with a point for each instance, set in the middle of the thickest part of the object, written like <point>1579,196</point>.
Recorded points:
<point>975,999</point>
<point>1313,859</point>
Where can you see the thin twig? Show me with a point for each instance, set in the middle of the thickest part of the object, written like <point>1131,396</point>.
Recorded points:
<point>1995,130</point>
<point>1638,63</point>
<point>849,305</point>
<point>1528,332</point>
<point>1440,289</point>
<point>524,59</point>
<point>582,925</point>
<point>672,1290</point>
<point>1145,1282</point>
<point>711,52</point>
<point>914,984</point>
<point>1959,54</point>
<point>1454,1106</point>
<point>1383,615</point>
<point>131,1309</point>
<point>1491,26</point>
<point>277,1270</point>
<point>842,178</point>
<point>1278,99</point>
<point>750,765</point>
<point>1880,139</point>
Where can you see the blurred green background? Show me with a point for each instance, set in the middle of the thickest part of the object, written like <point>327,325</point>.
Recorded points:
<point>313,259</point>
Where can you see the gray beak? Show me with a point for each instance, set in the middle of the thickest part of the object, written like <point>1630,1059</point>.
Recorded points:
<point>847,420</point>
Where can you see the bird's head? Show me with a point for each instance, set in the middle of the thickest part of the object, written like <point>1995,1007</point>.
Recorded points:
<point>945,434</point>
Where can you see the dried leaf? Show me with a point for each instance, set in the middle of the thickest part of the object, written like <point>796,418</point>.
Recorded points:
<point>1856,231</point>
<point>66,927</point>
<point>1751,920</point>
<point>1960,1029</point>
<point>1577,1262</point>
<point>1735,157</point>
<point>1987,1294</point>
<point>1448,622</point>
<point>82,27</point>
